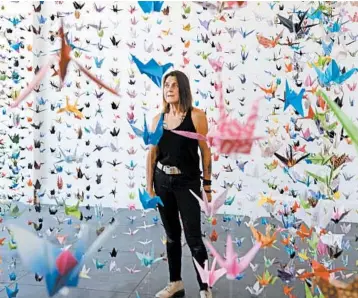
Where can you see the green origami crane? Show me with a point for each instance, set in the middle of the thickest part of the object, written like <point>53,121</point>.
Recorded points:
<point>74,210</point>
<point>347,123</point>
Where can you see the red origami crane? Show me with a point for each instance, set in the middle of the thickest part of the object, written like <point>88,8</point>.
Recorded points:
<point>64,60</point>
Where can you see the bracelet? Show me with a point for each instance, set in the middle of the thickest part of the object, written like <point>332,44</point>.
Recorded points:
<point>208,191</point>
<point>206,182</point>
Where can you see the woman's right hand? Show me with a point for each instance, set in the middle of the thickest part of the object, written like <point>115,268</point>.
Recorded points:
<point>151,192</point>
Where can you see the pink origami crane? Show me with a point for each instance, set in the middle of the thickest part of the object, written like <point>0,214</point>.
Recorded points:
<point>210,208</point>
<point>211,276</point>
<point>64,60</point>
<point>230,136</point>
<point>233,266</point>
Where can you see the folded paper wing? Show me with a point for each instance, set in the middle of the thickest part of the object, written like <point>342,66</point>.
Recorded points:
<point>190,134</point>
<point>39,76</point>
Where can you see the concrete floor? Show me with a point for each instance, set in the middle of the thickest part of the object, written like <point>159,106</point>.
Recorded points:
<point>121,284</point>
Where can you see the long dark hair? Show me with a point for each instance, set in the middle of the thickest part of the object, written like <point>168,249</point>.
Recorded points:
<point>185,97</point>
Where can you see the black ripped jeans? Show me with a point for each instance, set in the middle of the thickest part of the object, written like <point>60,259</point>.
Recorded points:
<point>176,197</point>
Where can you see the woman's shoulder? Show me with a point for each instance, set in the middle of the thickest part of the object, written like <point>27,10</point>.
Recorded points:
<point>197,113</point>
<point>156,119</point>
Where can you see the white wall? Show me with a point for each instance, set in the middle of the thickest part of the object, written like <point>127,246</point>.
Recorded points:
<point>257,69</point>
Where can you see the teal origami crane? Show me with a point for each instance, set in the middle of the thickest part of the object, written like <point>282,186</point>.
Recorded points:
<point>294,99</point>
<point>147,260</point>
<point>333,74</point>
<point>152,69</point>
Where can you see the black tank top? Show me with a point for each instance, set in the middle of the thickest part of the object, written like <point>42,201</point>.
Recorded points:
<point>179,151</point>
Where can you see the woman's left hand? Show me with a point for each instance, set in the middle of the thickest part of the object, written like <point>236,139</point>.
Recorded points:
<point>208,194</point>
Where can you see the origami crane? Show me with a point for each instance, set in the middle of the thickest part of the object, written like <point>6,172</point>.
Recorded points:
<point>267,240</point>
<point>210,208</point>
<point>268,43</point>
<point>64,61</point>
<point>294,99</point>
<point>318,270</point>
<point>12,293</point>
<point>152,69</point>
<point>230,136</point>
<point>61,268</point>
<point>233,266</point>
<point>148,202</point>
<point>150,6</point>
<point>71,108</point>
<point>333,74</point>
<point>149,137</point>
<point>209,276</point>
<point>147,260</point>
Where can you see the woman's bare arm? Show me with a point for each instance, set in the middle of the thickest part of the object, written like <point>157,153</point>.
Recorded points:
<point>151,157</point>
<point>201,126</point>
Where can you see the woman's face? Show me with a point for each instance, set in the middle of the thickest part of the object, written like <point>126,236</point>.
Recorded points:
<point>171,90</point>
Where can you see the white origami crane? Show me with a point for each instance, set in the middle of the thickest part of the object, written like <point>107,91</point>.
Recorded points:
<point>255,290</point>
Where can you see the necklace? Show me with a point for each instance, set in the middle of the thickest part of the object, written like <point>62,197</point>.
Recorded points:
<point>181,116</point>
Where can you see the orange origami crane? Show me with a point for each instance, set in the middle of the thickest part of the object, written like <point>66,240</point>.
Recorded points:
<point>268,43</point>
<point>303,232</point>
<point>267,240</point>
<point>64,60</point>
<point>71,108</point>
<point>318,270</point>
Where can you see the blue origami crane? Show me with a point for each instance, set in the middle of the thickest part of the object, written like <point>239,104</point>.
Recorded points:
<point>150,6</point>
<point>294,99</point>
<point>327,48</point>
<point>333,74</point>
<point>12,293</point>
<point>148,202</point>
<point>60,268</point>
<point>149,137</point>
<point>152,69</point>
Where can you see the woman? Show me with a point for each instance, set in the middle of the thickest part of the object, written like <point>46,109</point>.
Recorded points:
<point>173,168</point>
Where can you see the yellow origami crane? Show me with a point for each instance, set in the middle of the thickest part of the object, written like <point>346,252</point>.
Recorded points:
<point>71,108</point>
<point>266,199</point>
